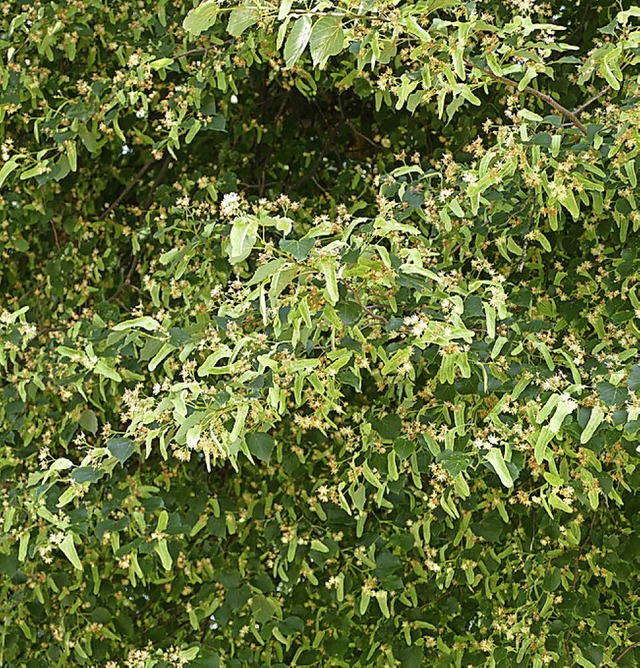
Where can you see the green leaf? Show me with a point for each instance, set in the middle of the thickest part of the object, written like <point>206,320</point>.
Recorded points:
<point>260,445</point>
<point>7,168</point>
<point>88,421</point>
<point>292,624</point>
<point>285,8</point>
<point>240,20</point>
<point>144,322</point>
<point>121,448</point>
<point>565,407</point>
<point>201,18</point>
<point>61,464</point>
<point>359,497</point>
<point>69,494</point>
<point>69,549</point>
<point>634,378</point>
<point>530,116</point>
<point>457,56</point>
<point>299,248</point>
<point>389,427</point>
<point>243,236</point>
<point>489,528</point>
<point>36,170</point>
<point>161,63</point>
<point>297,41</point>
<point>404,447</point>
<point>495,458</point>
<point>264,608</point>
<point>86,474</point>
<point>349,312</point>
<point>265,271</point>
<point>364,601</point>
<point>101,615</point>
<point>281,223</point>
<point>454,462</point>
<point>540,449</point>
<point>88,139</point>
<point>607,72</point>
<point>104,369</point>
<point>612,395</point>
<point>553,479</point>
<point>327,39</point>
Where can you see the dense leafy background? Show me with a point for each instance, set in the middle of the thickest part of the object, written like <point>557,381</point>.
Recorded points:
<point>319,333</point>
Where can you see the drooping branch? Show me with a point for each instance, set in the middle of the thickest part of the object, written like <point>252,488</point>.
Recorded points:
<point>532,91</point>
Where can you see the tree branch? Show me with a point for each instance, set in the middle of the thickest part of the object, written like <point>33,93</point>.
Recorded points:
<point>192,52</point>
<point>55,233</point>
<point>591,100</point>
<point>626,651</point>
<point>367,309</point>
<point>532,91</point>
<point>141,172</point>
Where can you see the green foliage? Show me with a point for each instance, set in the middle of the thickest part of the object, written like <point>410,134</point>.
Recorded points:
<point>319,333</point>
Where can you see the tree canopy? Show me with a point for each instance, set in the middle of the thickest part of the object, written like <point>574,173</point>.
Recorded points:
<point>319,330</point>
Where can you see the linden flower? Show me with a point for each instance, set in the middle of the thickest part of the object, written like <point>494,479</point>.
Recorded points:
<point>56,538</point>
<point>230,204</point>
<point>567,401</point>
<point>481,444</point>
<point>486,646</point>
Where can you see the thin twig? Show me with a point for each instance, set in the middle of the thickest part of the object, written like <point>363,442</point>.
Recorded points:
<point>256,186</point>
<point>576,563</point>
<point>534,530</point>
<point>319,186</point>
<point>363,136</point>
<point>141,172</point>
<point>626,651</point>
<point>200,49</point>
<point>591,100</point>
<point>55,233</point>
<point>48,330</point>
<point>192,52</point>
<point>127,278</point>
<point>532,91</point>
<point>29,292</point>
<point>368,309</point>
